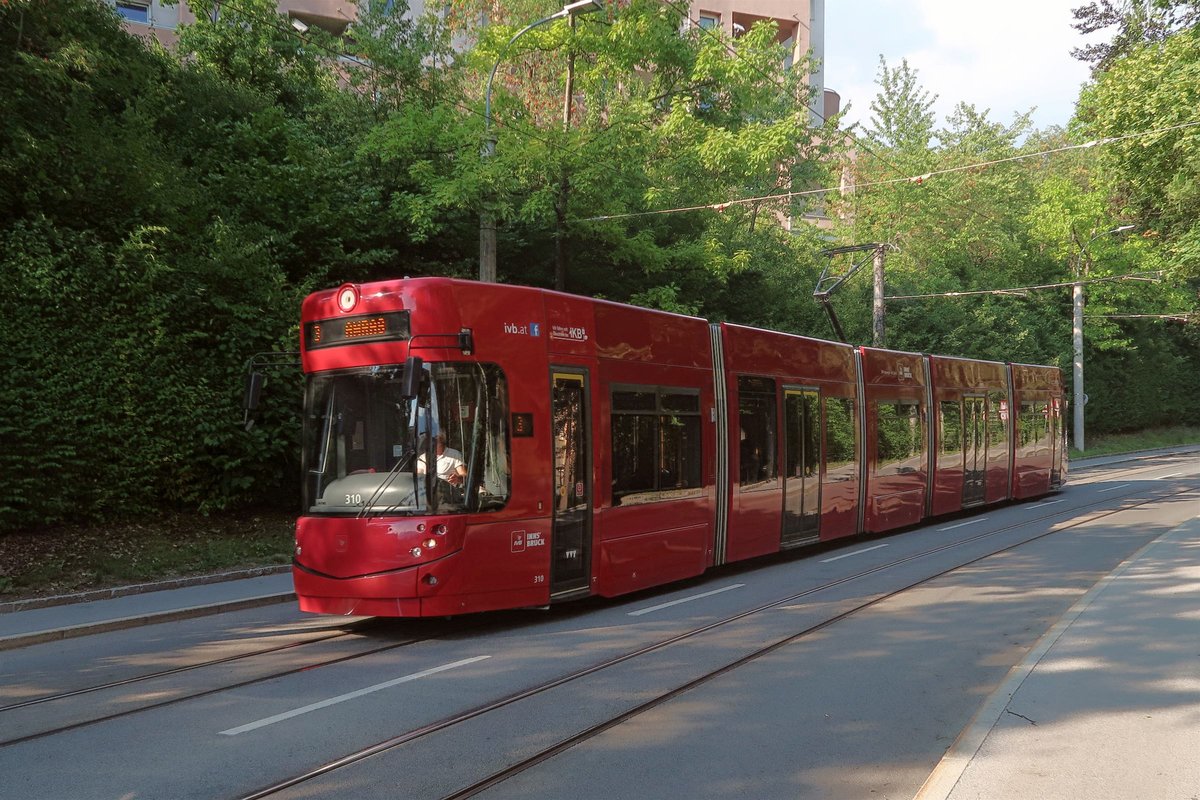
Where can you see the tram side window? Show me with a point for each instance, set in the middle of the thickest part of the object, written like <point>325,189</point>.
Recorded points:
<point>757,437</point>
<point>655,444</point>
<point>951,438</point>
<point>1034,428</point>
<point>841,440</point>
<point>900,444</point>
<point>997,427</point>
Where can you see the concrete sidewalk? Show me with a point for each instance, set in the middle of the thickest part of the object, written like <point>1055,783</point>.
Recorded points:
<point>54,621</point>
<point>1107,704</point>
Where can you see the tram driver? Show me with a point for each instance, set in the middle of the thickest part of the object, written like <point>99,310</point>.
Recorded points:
<point>450,466</point>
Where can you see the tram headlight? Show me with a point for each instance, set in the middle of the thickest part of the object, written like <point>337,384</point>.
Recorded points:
<point>440,530</point>
<point>347,297</point>
<point>430,544</point>
<point>416,552</point>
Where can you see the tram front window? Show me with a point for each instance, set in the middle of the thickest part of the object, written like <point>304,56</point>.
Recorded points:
<point>366,446</point>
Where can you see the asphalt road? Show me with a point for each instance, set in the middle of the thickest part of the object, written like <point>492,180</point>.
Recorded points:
<point>840,673</point>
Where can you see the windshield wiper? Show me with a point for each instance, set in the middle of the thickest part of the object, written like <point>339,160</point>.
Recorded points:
<point>388,479</point>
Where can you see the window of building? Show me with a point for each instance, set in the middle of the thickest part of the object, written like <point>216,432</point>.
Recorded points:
<point>656,453</point>
<point>709,21</point>
<point>134,12</point>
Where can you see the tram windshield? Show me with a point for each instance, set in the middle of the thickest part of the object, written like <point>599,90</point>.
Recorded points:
<point>367,446</point>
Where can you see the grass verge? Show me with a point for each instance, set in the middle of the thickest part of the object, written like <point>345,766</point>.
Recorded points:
<point>1153,438</point>
<point>80,557</point>
<point>75,558</point>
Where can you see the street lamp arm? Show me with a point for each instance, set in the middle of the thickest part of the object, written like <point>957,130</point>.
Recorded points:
<point>487,217</point>
<point>1120,229</point>
<point>487,98</point>
<point>569,10</point>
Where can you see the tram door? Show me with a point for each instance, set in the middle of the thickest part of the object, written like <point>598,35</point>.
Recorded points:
<point>1058,440</point>
<point>974,450</point>
<point>802,466</point>
<point>570,537</point>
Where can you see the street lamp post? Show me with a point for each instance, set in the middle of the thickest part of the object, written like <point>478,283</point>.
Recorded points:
<point>487,218</point>
<point>1077,330</point>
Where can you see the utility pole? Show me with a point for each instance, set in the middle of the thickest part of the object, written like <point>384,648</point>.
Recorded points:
<point>1081,270</point>
<point>829,282</point>
<point>1077,373</point>
<point>564,183</point>
<point>487,224</point>
<point>877,334</point>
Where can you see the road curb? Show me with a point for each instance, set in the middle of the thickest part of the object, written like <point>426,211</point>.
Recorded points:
<point>946,775</point>
<point>33,603</point>
<point>137,620</point>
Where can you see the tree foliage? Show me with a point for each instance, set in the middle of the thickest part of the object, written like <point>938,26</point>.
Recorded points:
<point>1136,22</point>
<point>162,213</point>
<point>969,209</point>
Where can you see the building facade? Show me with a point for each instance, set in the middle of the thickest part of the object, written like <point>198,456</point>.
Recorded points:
<point>801,22</point>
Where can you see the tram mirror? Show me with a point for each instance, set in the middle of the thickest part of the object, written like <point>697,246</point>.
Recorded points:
<point>254,384</point>
<point>413,370</point>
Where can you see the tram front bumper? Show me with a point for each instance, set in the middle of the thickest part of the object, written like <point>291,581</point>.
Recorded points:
<point>387,594</point>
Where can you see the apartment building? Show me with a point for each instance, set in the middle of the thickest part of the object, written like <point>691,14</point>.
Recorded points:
<point>801,26</point>
<point>801,22</point>
<point>158,20</point>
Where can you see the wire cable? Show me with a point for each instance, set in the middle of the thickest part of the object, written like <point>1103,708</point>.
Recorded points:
<point>914,179</point>
<point>1135,276</point>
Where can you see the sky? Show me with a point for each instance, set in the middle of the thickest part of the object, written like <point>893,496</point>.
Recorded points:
<point>1006,57</point>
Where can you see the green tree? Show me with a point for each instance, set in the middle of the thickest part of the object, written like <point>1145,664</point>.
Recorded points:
<point>902,118</point>
<point>1146,104</point>
<point>163,214</point>
<point>1136,22</point>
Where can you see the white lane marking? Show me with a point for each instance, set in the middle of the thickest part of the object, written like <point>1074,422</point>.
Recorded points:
<point>661,606</point>
<point>959,525</point>
<point>1113,488</point>
<point>1047,503</point>
<point>855,553</point>
<point>295,712</point>
<point>1172,475</point>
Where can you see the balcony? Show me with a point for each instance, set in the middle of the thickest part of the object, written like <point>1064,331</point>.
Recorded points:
<point>331,15</point>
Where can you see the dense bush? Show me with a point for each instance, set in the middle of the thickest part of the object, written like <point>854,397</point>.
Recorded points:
<point>150,243</point>
<point>162,214</point>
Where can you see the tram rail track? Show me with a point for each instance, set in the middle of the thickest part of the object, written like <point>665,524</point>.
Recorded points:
<point>49,698</point>
<point>566,743</point>
<point>307,667</point>
<point>275,674</point>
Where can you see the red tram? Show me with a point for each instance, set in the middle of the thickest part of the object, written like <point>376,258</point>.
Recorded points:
<point>471,447</point>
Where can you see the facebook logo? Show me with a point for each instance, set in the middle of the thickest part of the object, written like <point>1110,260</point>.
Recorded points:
<point>535,329</point>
